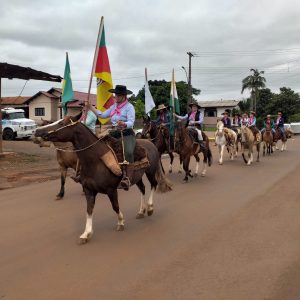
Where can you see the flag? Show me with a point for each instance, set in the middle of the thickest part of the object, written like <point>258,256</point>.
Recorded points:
<point>67,89</point>
<point>174,102</point>
<point>149,103</point>
<point>102,73</point>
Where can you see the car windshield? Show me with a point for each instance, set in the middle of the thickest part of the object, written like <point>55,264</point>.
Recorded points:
<point>16,115</point>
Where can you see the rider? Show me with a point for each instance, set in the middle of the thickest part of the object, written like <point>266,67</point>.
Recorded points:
<point>280,122</point>
<point>194,119</point>
<point>245,119</point>
<point>122,115</point>
<point>236,120</point>
<point>226,120</point>
<point>252,126</point>
<point>270,122</point>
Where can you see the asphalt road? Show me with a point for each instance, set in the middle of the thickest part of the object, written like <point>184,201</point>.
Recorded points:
<point>231,235</point>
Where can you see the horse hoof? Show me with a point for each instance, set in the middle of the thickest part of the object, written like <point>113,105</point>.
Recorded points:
<point>82,241</point>
<point>195,175</point>
<point>170,171</point>
<point>120,227</point>
<point>220,163</point>
<point>150,212</point>
<point>140,216</point>
<point>58,197</point>
<point>203,174</point>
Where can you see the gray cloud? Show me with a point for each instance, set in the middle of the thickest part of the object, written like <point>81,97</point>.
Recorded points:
<point>230,37</point>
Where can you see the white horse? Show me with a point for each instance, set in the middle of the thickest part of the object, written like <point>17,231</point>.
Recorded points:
<point>225,137</point>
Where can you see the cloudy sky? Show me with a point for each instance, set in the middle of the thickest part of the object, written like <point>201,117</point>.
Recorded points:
<point>228,37</point>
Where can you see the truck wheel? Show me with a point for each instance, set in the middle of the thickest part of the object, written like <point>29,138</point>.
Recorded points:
<point>8,134</point>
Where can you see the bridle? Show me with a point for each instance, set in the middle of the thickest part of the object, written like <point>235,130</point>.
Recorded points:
<point>73,150</point>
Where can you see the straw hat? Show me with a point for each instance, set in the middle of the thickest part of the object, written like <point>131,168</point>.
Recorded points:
<point>161,106</point>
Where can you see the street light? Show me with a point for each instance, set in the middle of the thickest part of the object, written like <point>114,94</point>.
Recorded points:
<point>187,79</point>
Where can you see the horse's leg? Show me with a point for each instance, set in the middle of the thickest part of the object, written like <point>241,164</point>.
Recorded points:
<point>264,148</point>
<point>221,151</point>
<point>282,145</point>
<point>113,197</point>
<point>142,209</point>
<point>88,232</point>
<point>63,175</point>
<point>181,163</point>
<point>171,161</point>
<point>197,164</point>
<point>258,151</point>
<point>186,164</point>
<point>150,202</point>
<point>203,173</point>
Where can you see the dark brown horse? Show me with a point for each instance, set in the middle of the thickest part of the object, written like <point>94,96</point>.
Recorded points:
<point>268,140</point>
<point>187,147</point>
<point>160,137</point>
<point>96,177</point>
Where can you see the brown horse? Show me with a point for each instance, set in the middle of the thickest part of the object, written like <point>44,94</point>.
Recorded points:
<point>96,177</point>
<point>160,137</point>
<point>248,142</point>
<point>66,159</point>
<point>268,140</point>
<point>187,147</point>
<point>280,136</point>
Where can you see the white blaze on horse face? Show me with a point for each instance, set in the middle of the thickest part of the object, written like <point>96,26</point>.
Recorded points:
<point>88,227</point>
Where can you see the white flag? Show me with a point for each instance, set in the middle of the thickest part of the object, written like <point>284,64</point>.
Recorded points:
<point>149,103</point>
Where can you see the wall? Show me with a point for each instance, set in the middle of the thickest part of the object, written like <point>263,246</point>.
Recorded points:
<point>41,101</point>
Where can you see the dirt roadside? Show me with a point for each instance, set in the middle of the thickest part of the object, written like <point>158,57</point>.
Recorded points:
<point>24,162</point>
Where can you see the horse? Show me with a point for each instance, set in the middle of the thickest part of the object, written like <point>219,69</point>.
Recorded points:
<point>268,140</point>
<point>280,136</point>
<point>248,142</point>
<point>64,157</point>
<point>187,147</point>
<point>160,136</point>
<point>96,177</point>
<point>225,137</point>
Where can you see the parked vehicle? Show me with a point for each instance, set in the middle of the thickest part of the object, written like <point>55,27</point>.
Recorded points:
<point>15,125</point>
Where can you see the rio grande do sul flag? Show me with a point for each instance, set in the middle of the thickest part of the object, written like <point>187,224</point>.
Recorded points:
<point>102,73</point>
<point>67,89</point>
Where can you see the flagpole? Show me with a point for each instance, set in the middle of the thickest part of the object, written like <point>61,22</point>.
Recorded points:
<point>146,78</point>
<point>93,66</point>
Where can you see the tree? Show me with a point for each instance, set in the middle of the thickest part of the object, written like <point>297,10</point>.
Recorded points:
<point>253,83</point>
<point>139,109</point>
<point>160,90</point>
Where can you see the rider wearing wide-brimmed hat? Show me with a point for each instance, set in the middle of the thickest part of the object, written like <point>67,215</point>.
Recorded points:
<point>236,120</point>
<point>194,119</point>
<point>252,126</point>
<point>163,117</point>
<point>268,122</point>
<point>280,122</point>
<point>122,116</point>
<point>226,120</point>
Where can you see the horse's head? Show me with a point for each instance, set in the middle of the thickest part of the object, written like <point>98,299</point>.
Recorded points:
<point>54,132</point>
<point>148,127</point>
<point>268,127</point>
<point>220,128</point>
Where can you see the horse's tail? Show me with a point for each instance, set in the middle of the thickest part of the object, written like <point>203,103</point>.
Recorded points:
<point>164,184</point>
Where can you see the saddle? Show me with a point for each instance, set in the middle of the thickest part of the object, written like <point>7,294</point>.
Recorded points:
<point>194,135</point>
<point>114,157</point>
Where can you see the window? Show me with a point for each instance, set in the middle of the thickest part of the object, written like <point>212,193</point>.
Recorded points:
<point>210,112</point>
<point>39,111</point>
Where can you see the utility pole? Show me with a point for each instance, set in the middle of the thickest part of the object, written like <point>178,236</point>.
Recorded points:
<point>190,79</point>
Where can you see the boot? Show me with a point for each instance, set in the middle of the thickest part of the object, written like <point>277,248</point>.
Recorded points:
<point>125,182</point>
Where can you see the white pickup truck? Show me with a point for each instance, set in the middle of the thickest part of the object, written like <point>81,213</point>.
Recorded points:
<point>15,125</point>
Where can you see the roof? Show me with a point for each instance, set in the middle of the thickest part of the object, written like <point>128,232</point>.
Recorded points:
<point>14,71</point>
<point>219,103</point>
<point>14,100</point>
<point>79,97</point>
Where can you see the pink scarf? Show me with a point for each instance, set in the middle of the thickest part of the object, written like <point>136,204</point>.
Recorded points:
<point>193,115</point>
<point>117,110</point>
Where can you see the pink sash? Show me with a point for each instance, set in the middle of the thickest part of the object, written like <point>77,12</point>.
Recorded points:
<point>117,110</point>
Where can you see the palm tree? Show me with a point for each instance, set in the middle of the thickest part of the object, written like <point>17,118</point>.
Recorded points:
<point>254,83</point>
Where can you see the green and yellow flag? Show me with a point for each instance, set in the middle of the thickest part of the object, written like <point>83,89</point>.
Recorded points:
<point>67,89</point>
<point>102,73</point>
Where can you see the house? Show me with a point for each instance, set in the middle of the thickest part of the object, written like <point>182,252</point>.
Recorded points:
<point>213,109</point>
<point>47,106</point>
